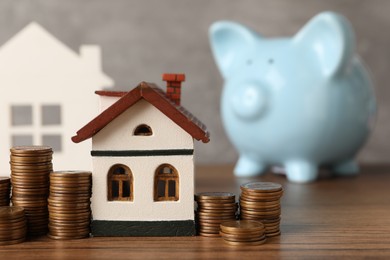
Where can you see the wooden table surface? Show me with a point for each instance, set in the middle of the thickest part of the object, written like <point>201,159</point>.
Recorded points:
<point>343,217</point>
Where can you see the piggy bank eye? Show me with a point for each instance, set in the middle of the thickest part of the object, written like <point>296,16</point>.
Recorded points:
<point>249,62</point>
<point>270,61</point>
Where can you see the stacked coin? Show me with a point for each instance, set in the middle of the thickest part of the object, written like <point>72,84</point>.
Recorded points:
<point>30,169</point>
<point>69,204</point>
<point>261,201</point>
<point>13,225</point>
<point>5,188</point>
<point>243,232</point>
<point>213,209</point>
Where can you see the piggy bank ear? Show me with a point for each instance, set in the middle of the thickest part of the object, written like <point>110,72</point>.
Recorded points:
<point>329,38</point>
<point>229,41</point>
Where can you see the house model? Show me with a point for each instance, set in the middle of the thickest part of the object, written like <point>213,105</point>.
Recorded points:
<point>142,156</point>
<point>45,88</point>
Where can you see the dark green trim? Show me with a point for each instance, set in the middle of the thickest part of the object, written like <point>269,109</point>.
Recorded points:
<point>109,228</point>
<point>134,153</point>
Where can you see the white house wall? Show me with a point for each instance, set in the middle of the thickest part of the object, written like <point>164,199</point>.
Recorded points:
<point>117,135</point>
<point>143,207</point>
<point>106,101</point>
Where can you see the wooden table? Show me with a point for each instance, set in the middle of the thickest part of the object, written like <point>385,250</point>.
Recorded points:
<point>333,217</point>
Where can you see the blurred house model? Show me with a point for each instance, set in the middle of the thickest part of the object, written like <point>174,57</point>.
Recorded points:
<point>46,93</point>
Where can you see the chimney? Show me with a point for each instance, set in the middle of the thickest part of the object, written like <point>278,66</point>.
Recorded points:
<point>174,86</point>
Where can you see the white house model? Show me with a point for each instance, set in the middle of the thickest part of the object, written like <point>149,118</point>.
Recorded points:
<point>45,88</point>
<point>142,156</point>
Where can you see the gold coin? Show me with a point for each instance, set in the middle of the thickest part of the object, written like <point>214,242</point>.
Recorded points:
<point>12,242</point>
<point>17,230</point>
<point>61,237</point>
<point>12,222</point>
<point>260,212</point>
<point>30,159</point>
<point>236,238</point>
<point>70,179</point>
<point>69,205</point>
<point>80,189</point>
<point>11,212</point>
<point>208,229</point>
<point>261,186</point>
<point>71,174</point>
<point>215,196</point>
<point>31,149</point>
<point>205,217</point>
<point>217,205</point>
<point>252,243</point>
<point>260,205</point>
<point>62,230</point>
<point>245,198</point>
<point>69,224</point>
<point>70,184</point>
<point>72,211</point>
<point>213,221</point>
<point>272,230</point>
<point>260,200</point>
<point>274,234</point>
<point>211,225</point>
<point>31,165</point>
<point>224,211</point>
<point>203,234</point>
<point>12,226</point>
<point>13,236</point>
<point>62,222</point>
<point>4,180</point>
<point>215,214</point>
<point>66,201</point>
<point>241,226</point>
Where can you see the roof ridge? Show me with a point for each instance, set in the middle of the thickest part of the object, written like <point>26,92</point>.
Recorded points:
<point>155,96</point>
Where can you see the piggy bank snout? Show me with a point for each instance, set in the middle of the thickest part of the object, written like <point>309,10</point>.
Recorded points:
<point>249,101</point>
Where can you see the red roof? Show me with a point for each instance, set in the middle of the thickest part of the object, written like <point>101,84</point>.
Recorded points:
<point>155,96</point>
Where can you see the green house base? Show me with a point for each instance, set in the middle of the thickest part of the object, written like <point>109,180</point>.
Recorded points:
<point>109,228</point>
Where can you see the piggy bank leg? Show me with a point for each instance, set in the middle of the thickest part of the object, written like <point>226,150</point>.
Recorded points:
<point>346,168</point>
<point>301,171</point>
<point>247,167</point>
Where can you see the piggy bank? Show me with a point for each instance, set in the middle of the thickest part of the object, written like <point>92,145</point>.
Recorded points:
<point>299,102</point>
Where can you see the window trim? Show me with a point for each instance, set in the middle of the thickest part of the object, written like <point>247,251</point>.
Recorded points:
<point>128,176</point>
<point>174,176</point>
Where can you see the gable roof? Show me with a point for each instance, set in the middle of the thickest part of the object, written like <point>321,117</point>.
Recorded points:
<point>155,96</point>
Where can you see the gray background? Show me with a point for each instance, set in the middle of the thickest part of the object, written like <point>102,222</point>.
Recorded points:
<point>142,39</point>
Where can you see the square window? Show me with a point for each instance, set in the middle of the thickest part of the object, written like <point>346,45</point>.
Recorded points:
<point>22,140</point>
<point>54,141</point>
<point>21,115</point>
<point>51,115</point>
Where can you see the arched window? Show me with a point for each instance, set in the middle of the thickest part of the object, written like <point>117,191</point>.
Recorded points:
<point>143,130</point>
<point>166,183</point>
<point>119,183</point>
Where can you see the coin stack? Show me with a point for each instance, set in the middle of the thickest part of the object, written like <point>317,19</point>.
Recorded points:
<point>5,188</point>
<point>30,169</point>
<point>69,204</point>
<point>13,225</point>
<point>213,209</point>
<point>260,201</point>
<point>243,232</point>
